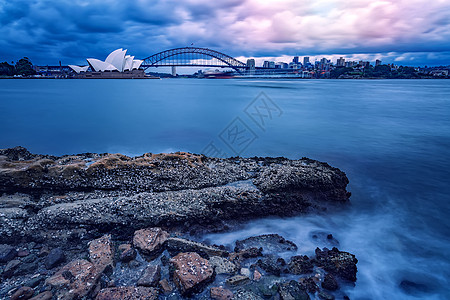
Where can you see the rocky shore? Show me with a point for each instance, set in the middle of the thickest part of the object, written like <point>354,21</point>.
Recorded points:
<point>108,226</point>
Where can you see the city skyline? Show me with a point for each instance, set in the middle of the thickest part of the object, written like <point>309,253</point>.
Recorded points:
<point>414,33</point>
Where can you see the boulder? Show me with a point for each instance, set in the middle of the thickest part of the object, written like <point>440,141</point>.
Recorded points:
<point>7,253</point>
<point>128,293</point>
<point>43,296</point>
<point>24,292</point>
<point>101,253</point>
<point>150,241</point>
<point>309,284</point>
<point>55,257</point>
<point>150,276</point>
<point>271,243</point>
<point>165,286</point>
<point>272,264</point>
<point>220,293</point>
<point>74,280</point>
<point>192,272</point>
<point>222,265</point>
<point>330,283</point>
<point>11,268</point>
<point>177,245</point>
<point>237,280</point>
<point>339,263</point>
<point>127,253</point>
<point>292,290</point>
<point>300,264</point>
<point>325,296</point>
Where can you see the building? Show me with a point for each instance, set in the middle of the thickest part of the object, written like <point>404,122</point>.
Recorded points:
<point>295,60</point>
<point>306,61</point>
<point>377,63</point>
<point>340,62</point>
<point>251,63</point>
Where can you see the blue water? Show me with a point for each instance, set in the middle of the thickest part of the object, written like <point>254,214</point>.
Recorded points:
<point>391,137</point>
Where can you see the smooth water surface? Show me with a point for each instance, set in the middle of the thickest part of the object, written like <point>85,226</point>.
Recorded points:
<point>391,137</point>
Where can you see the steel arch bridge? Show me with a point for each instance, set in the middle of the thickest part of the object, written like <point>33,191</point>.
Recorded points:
<point>192,56</point>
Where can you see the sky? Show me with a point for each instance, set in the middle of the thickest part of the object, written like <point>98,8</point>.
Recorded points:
<point>404,32</point>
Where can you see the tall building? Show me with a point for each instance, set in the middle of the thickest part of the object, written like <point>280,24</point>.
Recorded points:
<point>251,63</point>
<point>340,62</point>
<point>377,62</point>
<point>306,61</point>
<point>266,64</point>
<point>295,60</point>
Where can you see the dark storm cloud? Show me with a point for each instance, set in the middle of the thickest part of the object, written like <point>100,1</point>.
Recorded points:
<point>71,30</point>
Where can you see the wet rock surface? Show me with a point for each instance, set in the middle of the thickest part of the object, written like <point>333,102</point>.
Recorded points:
<point>87,195</point>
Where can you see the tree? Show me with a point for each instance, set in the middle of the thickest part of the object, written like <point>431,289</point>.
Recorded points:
<point>6,69</point>
<point>24,67</point>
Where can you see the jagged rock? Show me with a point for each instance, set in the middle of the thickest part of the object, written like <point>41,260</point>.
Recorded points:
<point>150,240</point>
<point>245,254</point>
<point>150,276</point>
<point>324,238</point>
<point>74,280</point>
<point>245,295</point>
<point>271,243</point>
<point>128,293</point>
<point>222,265</point>
<point>337,262</point>
<point>165,286</point>
<point>237,280</point>
<point>43,296</point>
<point>54,258</point>
<point>272,265</point>
<point>292,290</point>
<point>101,253</point>
<point>309,284</point>
<point>192,272</point>
<point>256,275</point>
<point>177,245</point>
<point>220,293</point>
<point>11,268</point>
<point>330,283</point>
<point>127,253</point>
<point>7,253</point>
<point>300,265</point>
<point>24,292</point>
<point>325,296</point>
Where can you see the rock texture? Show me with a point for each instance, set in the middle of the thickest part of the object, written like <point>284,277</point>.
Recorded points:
<point>83,196</point>
<point>150,240</point>
<point>128,293</point>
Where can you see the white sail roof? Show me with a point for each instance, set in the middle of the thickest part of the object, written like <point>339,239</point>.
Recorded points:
<point>128,63</point>
<point>79,69</point>
<point>117,59</point>
<point>137,63</point>
<point>101,66</point>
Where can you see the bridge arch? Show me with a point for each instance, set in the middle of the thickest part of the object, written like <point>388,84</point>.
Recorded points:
<point>192,56</point>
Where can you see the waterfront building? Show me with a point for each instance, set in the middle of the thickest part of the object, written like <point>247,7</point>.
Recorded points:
<point>377,62</point>
<point>295,60</point>
<point>340,62</point>
<point>306,61</point>
<point>118,61</point>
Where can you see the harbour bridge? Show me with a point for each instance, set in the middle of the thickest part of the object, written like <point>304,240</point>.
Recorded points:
<point>193,57</point>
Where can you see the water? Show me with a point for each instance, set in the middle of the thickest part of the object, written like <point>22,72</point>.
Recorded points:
<point>392,138</point>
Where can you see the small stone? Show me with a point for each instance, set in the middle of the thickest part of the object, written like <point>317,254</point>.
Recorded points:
<point>256,275</point>
<point>192,272</point>
<point>10,268</point>
<point>325,296</point>
<point>128,292</point>
<point>24,292</point>
<point>54,258</point>
<point>237,280</point>
<point>150,276</point>
<point>245,272</point>
<point>127,253</point>
<point>44,251</point>
<point>7,253</point>
<point>222,265</point>
<point>150,240</point>
<point>220,293</point>
<point>43,296</point>
<point>35,281</point>
<point>101,253</point>
<point>165,286</point>
<point>23,253</point>
<point>330,283</point>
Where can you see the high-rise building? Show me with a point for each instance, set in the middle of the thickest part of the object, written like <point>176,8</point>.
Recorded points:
<point>266,64</point>
<point>251,63</point>
<point>295,60</point>
<point>340,62</point>
<point>306,61</point>
<point>378,62</point>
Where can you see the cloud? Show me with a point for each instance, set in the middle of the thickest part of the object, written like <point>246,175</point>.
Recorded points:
<point>70,30</point>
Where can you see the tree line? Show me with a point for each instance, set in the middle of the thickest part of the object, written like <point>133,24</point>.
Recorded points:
<point>23,67</point>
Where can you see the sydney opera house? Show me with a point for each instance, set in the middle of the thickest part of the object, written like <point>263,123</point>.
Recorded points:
<point>117,65</point>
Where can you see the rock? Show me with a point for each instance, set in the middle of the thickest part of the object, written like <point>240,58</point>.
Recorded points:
<point>324,238</point>
<point>150,277</point>
<point>101,254</point>
<point>54,258</point>
<point>7,253</point>
<point>150,240</point>
<point>300,265</point>
<point>330,283</point>
<point>177,245</point>
<point>74,280</point>
<point>23,253</point>
<point>256,275</point>
<point>272,265</point>
<point>309,284</point>
<point>222,265</point>
<point>11,268</point>
<point>292,290</point>
<point>192,272</point>
<point>325,296</point>
<point>35,281</point>
<point>237,280</point>
<point>245,295</point>
<point>24,292</point>
<point>337,262</point>
<point>245,272</point>
<point>128,293</point>
<point>220,293</point>
<point>127,253</point>
<point>44,251</point>
<point>245,254</point>
<point>43,296</point>
<point>271,243</point>
<point>165,286</point>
